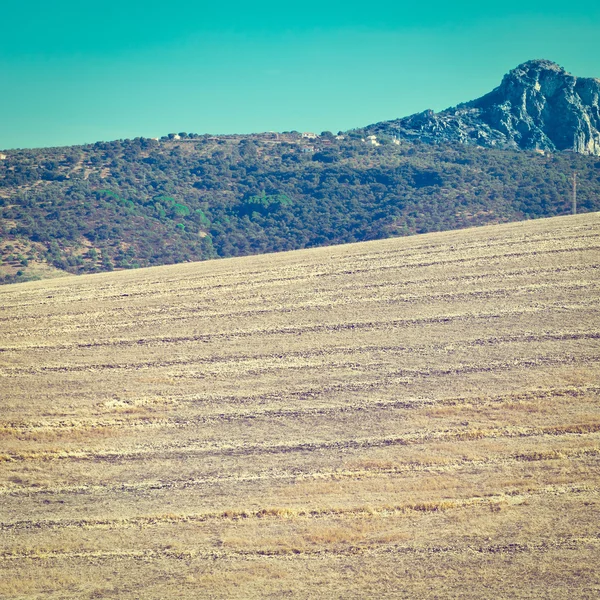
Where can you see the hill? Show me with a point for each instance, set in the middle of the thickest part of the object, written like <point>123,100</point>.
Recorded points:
<point>143,202</point>
<point>538,106</point>
<point>411,417</point>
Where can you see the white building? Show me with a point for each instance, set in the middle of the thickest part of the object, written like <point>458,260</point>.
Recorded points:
<point>309,135</point>
<point>3,156</point>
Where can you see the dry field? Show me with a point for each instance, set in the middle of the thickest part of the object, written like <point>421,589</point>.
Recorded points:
<point>408,418</point>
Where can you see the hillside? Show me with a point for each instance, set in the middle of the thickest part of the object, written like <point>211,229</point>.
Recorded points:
<point>185,197</point>
<point>412,418</point>
<point>139,203</point>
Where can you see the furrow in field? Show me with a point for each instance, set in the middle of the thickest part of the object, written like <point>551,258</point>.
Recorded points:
<point>376,549</point>
<point>196,318</point>
<point>309,354</point>
<point>339,445</point>
<point>407,374</point>
<point>483,258</point>
<point>298,474</point>
<point>276,365</point>
<point>300,513</point>
<point>466,317</point>
<point>200,313</point>
<point>456,280</point>
<point>14,428</point>
<point>312,393</point>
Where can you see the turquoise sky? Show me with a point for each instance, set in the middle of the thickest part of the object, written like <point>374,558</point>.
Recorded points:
<point>75,72</point>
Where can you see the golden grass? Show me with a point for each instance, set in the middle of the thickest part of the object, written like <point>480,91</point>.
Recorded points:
<point>415,417</point>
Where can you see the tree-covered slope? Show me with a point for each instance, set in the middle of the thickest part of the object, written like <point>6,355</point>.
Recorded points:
<point>144,202</point>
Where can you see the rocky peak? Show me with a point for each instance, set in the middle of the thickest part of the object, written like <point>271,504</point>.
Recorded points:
<point>537,106</point>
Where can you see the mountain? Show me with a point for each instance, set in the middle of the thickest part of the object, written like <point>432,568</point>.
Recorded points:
<point>538,106</point>
<point>143,202</point>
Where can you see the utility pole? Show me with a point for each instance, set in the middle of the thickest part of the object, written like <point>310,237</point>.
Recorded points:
<point>574,193</point>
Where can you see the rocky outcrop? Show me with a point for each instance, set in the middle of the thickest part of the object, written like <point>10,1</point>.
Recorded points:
<point>538,106</point>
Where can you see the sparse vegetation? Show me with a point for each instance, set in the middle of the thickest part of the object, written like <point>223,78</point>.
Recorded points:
<point>412,417</point>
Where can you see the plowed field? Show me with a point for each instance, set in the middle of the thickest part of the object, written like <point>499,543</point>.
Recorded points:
<point>406,418</point>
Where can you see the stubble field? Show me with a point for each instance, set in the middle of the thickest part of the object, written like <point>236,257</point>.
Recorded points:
<point>407,418</point>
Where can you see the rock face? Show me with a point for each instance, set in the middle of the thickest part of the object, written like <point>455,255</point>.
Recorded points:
<point>538,106</point>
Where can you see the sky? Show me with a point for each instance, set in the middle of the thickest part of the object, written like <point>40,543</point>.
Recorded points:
<point>74,72</point>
